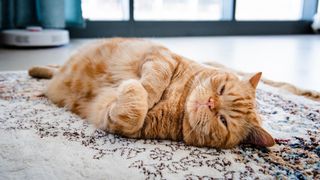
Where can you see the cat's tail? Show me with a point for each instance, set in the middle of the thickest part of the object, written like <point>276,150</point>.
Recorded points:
<point>314,95</point>
<point>43,72</point>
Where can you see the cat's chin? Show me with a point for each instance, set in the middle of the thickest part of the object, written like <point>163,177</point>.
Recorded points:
<point>199,119</point>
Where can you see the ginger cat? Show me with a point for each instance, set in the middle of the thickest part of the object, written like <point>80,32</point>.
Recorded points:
<point>139,89</point>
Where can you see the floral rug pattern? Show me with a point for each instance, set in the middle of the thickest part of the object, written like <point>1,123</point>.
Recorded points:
<point>41,141</point>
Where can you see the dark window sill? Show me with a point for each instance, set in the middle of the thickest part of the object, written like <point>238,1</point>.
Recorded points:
<point>95,29</point>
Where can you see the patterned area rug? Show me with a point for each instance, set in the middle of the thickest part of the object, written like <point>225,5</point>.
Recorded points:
<point>40,141</point>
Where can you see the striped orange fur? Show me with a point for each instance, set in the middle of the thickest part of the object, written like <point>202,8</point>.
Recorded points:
<point>139,89</point>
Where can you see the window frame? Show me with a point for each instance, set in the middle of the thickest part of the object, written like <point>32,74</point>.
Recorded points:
<point>227,26</point>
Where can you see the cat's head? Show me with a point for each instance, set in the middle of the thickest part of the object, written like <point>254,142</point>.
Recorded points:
<point>222,113</point>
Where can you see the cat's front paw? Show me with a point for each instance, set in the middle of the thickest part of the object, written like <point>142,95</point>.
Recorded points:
<point>131,91</point>
<point>131,105</point>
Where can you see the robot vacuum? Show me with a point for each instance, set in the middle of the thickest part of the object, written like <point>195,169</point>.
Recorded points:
<point>35,37</point>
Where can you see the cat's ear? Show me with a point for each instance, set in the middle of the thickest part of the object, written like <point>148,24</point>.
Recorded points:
<point>254,80</point>
<point>259,137</point>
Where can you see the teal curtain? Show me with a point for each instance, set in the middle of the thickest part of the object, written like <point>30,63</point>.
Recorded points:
<point>44,13</point>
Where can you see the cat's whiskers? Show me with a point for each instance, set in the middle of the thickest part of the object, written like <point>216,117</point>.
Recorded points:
<point>200,123</point>
<point>193,128</point>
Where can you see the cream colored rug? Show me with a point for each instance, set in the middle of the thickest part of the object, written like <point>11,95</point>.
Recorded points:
<point>41,141</point>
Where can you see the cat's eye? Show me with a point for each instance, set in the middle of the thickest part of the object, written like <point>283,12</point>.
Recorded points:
<point>223,120</point>
<point>222,90</point>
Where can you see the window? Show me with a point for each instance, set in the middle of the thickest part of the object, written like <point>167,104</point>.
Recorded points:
<point>168,10</point>
<point>105,9</point>
<point>167,18</point>
<point>269,10</point>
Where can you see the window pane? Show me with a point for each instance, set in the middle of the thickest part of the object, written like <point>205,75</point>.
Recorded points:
<point>177,10</point>
<point>105,9</point>
<point>269,9</point>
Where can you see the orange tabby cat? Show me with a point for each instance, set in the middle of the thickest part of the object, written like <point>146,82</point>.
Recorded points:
<point>139,89</point>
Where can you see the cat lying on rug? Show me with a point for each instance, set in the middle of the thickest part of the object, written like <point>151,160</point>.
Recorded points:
<point>139,89</point>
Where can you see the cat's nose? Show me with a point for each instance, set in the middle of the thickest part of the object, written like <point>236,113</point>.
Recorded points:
<point>211,103</point>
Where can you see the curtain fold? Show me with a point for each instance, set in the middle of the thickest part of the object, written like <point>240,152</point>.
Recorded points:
<point>44,13</point>
<point>24,12</point>
<point>0,13</point>
<point>73,13</point>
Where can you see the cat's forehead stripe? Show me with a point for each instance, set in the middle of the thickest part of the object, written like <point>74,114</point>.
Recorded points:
<point>239,111</point>
<point>235,116</point>
<point>238,99</point>
<point>227,78</point>
<point>232,94</point>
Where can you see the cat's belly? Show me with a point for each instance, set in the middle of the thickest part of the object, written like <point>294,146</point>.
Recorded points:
<point>77,92</point>
<point>79,82</point>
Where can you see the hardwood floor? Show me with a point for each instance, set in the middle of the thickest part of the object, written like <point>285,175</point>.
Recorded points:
<point>293,59</point>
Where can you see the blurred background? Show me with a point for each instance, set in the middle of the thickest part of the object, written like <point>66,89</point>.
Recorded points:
<point>197,10</point>
<point>277,37</point>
